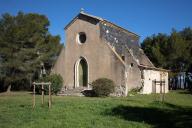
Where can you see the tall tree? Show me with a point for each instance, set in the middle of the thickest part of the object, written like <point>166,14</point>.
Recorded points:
<point>22,38</point>
<point>172,51</point>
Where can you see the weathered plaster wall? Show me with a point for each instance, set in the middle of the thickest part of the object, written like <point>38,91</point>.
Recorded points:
<point>122,42</point>
<point>101,60</point>
<point>149,76</point>
<point>59,66</point>
<point>103,50</point>
<point>133,72</point>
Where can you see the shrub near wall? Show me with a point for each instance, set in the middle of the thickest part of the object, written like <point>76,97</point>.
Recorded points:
<point>2,88</point>
<point>56,83</point>
<point>103,87</point>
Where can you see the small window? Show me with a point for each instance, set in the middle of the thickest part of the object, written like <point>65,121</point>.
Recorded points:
<point>142,74</point>
<point>123,57</point>
<point>81,37</point>
<point>131,64</point>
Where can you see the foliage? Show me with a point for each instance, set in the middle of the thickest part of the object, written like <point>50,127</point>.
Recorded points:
<point>140,111</point>
<point>1,85</point>
<point>173,52</point>
<point>103,87</point>
<point>56,84</point>
<point>136,90</point>
<point>189,81</point>
<point>25,42</point>
<point>88,93</point>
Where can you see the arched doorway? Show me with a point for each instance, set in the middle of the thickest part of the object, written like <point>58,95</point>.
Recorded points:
<point>81,73</point>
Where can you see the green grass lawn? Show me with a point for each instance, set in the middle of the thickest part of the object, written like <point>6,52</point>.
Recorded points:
<point>90,112</point>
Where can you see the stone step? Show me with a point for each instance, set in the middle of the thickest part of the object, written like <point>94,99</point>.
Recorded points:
<point>72,92</point>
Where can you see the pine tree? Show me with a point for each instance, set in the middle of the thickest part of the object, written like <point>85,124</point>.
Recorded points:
<point>22,37</point>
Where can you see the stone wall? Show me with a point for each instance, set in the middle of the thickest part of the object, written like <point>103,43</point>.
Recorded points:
<point>102,62</point>
<point>133,72</point>
<point>110,52</point>
<point>59,67</point>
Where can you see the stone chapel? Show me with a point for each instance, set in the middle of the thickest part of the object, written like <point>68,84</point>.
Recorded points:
<point>97,48</point>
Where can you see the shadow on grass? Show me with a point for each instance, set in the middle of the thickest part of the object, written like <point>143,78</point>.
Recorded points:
<point>89,93</point>
<point>170,117</point>
<point>185,91</point>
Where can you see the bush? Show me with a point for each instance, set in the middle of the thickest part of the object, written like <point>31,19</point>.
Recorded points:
<point>88,93</point>
<point>56,84</point>
<point>103,87</point>
<point>136,90</point>
<point>2,88</point>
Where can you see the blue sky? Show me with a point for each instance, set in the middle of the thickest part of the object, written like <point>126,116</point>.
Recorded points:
<point>144,17</point>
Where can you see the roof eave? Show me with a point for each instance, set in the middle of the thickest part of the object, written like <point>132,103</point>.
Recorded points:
<point>72,21</point>
<point>153,68</point>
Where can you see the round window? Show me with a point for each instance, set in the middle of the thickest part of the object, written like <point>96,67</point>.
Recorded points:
<point>81,37</point>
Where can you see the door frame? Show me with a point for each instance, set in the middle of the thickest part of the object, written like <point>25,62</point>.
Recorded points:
<point>76,80</point>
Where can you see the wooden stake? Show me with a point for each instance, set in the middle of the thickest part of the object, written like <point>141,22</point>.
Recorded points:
<point>163,90</point>
<point>42,92</point>
<point>33,95</point>
<point>49,96</point>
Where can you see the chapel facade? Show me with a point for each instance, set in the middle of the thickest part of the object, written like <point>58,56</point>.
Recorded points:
<point>96,48</point>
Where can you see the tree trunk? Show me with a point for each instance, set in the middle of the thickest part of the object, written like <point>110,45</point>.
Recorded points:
<point>9,89</point>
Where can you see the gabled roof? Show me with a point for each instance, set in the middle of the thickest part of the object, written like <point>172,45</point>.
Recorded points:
<point>85,14</point>
<point>99,19</point>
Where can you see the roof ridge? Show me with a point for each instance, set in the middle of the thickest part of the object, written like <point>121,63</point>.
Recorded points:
<point>101,19</point>
<point>120,27</point>
<point>98,18</point>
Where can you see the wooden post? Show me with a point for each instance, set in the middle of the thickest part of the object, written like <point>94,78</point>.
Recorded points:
<point>49,95</point>
<point>160,90</point>
<point>33,95</point>
<point>163,90</point>
<point>155,86</point>
<point>42,93</point>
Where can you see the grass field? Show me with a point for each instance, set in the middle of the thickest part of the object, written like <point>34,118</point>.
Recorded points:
<point>140,111</point>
